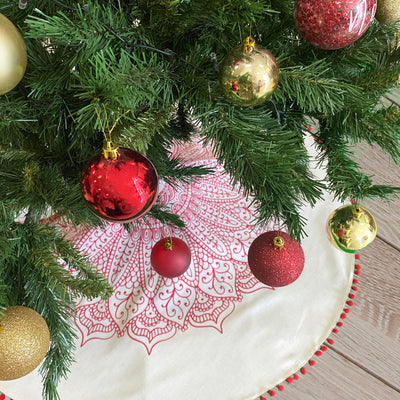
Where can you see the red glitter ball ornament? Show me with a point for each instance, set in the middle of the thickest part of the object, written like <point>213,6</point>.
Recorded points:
<point>331,24</point>
<point>170,257</point>
<point>120,189</point>
<point>275,259</point>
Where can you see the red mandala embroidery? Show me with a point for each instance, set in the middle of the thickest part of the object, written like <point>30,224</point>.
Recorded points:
<point>150,308</point>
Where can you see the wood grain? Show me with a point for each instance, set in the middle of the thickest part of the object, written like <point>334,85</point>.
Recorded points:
<point>334,377</point>
<point>370,335</point>
<point>375,162</point>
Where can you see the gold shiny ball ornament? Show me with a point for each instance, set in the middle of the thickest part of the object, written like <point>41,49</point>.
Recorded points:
<point>13,57</point>
<point>24,341</point>
<point>351,228</point>
<point>248,74</point>
<point>388,11</point>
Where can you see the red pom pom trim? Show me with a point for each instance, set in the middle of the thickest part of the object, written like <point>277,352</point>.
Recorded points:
<point>323,348</point>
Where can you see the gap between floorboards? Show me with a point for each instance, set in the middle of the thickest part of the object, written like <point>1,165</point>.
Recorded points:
<point>357,364</point>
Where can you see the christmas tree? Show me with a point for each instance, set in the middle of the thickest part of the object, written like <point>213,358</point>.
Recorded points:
<point>143,74</point>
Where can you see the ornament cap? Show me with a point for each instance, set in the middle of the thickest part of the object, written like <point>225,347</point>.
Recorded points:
<point>279,241</point>
<point>110,151</point>
<point>167,244</point>
<point>248,45</point>
<point>357,211</point>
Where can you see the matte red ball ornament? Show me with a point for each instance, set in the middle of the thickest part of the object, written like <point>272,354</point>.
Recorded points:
<point>119,184</point>
<point>275,259</point>
<point>170,257</point>
<point>331,25</point>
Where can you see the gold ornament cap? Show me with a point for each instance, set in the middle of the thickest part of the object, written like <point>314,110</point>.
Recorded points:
<point>351,228</point>
<point>13,57</point>
<point>279,242</point>
<point>24,341</point>
<point>167,244</point>
<point>110,151</point>
<point>248,45</point>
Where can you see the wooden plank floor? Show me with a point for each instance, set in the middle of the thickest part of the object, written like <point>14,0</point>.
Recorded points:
<point>364,361</point>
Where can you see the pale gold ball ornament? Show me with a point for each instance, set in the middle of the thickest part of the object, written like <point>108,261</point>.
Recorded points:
<point>351,228</point>
<point>24,341</point>
<point>13,57</point>
<point>388,11</point>
<point>248,74</point>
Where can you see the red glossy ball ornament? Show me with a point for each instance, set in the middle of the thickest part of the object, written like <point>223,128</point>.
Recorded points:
<point>170,257</point>
<point>275,259</point>
<point>119,184</point>
<point>331,25</point>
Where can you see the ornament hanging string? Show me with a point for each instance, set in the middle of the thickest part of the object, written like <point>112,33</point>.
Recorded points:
<point>110,151</point>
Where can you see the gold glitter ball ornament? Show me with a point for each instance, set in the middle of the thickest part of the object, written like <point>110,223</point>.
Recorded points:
<point>351,228</point>
<point>24,341</point>
<point>13,57</point>
<point>248,74</point>
<point>388,11</point>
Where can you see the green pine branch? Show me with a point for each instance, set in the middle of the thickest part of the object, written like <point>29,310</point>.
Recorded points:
<point>266,160</point>
<point>314,90</point>
<point>345,180</point>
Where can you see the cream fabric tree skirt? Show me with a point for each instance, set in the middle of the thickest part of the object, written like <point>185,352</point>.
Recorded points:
<point>215,332</point>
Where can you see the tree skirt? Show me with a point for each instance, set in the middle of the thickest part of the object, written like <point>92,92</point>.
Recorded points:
<point>213,333</point>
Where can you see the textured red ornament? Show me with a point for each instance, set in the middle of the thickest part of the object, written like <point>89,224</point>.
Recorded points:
<point>272,265</point>
<point>170,257</point>
<point>331,24</point>
<point>121,189</point>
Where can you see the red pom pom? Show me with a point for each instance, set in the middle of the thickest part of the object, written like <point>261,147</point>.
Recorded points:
<point>275,259</point>
<point>170,257</point>
<point>332,25</point>
<point>120,189</point>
